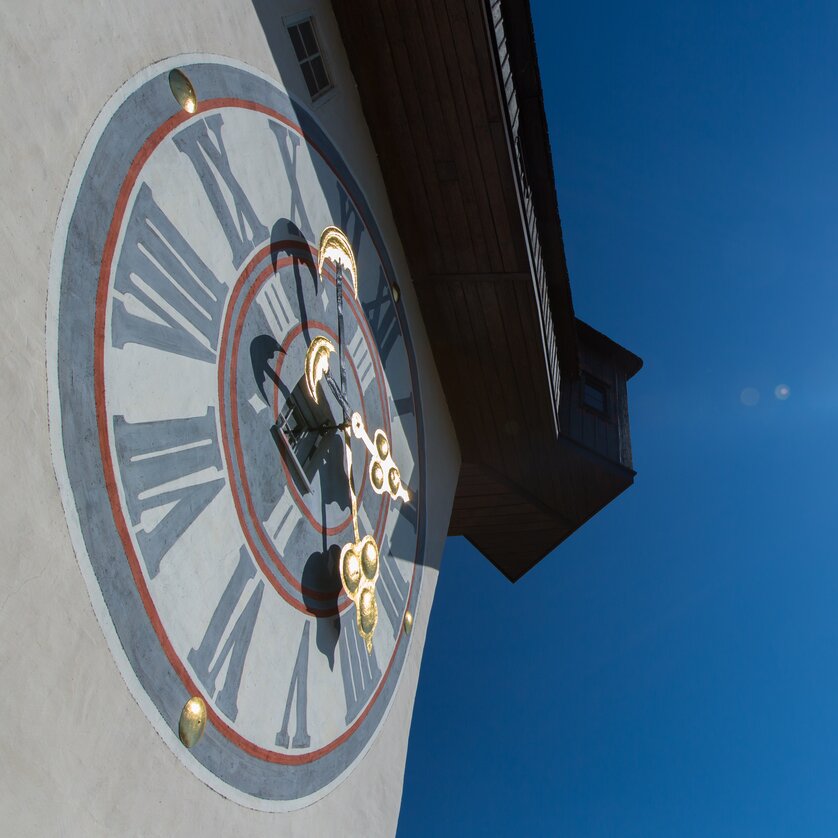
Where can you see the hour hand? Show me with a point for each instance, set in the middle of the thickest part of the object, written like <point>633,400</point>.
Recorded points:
<point>317,369</point>
<point>384,473</point>
<point>336,390</point>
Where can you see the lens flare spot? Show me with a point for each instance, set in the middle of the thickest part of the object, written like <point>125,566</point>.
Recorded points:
<point>782,392</point>
<point>749,396</point>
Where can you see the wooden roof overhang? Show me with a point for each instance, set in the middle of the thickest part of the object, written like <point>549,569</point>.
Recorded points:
<point>452,97</point>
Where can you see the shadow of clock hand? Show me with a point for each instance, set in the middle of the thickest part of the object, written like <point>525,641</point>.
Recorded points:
<point>320,573</point>
<point>282,231</point>
<point>263,348</point>
<point>321,570</point>
<point>333,485</point>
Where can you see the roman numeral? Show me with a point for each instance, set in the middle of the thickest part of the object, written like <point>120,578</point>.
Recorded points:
<point>359,670</point>
<point>276,307</point>
<point>162,464</point>
<point>283,521</point>
<point>350,221</point>
<point>238,220</point>
<point>381,315</point>
<point>289,146</point>
<point>209,658</point>
<point>299,685</point>
<point>166,297</point>
<point>392,588</point>
<point>360,354</point>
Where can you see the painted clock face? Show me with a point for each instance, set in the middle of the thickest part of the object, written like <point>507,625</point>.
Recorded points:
<point>206,485</point>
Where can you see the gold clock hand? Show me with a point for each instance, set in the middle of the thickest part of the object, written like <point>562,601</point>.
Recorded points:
<point>384,473</point>
<point>335,247</point>
<point>347,441</point>
<point>359,563</point>
<point>317,368</point>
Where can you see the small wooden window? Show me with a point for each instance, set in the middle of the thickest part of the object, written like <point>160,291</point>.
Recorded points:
<point>304,40</point>
<point>595,395</point>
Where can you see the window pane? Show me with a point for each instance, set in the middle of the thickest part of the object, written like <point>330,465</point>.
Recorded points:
<point>308,75</point>
<point>319,70</point>
<point>309,41</point>
<point>594,397</point>
<point>297,42</point>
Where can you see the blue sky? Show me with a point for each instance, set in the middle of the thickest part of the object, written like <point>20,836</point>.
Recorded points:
<point>672,669</point>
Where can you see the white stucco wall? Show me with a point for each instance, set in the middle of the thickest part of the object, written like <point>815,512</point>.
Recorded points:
<point>77,755</point>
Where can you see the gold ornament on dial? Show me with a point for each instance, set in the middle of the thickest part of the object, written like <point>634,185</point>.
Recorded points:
<point>335,246</point>
<point>359,568</point>
<point>395,481</point>
<point>317,363</point>
<point>377,476</point>
<point>193,720</point>
<point>183,91</point>
<point>382,461</point>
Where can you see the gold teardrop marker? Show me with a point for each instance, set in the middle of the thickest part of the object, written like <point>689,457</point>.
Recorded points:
<point>183,91</point>
<point>193,720</point>
<point>408,622</point>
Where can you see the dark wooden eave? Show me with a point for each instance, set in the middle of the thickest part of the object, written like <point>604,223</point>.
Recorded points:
<point>452,97</point>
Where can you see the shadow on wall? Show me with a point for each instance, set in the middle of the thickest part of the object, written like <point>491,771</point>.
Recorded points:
<point>270,19</point>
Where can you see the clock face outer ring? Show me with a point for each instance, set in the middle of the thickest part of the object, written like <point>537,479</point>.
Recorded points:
<point>139,107</point>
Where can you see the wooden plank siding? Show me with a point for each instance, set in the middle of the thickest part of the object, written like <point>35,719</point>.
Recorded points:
<point>454,110</point>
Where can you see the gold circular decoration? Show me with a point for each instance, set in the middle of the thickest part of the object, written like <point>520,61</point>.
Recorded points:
<point>193,720</point>
<point>367,611</point>
<point>351,571</point>
<point>382,445</point>
<point>377,475</point>
<point>394,479</point>
<point>183,91</point>
<point>369,559</point>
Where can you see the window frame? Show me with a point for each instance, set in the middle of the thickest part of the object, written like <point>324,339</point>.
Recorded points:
<point>588,380</point>
<point>294,22</point>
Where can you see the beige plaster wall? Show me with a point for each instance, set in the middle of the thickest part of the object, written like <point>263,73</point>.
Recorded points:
<point>77,755</point>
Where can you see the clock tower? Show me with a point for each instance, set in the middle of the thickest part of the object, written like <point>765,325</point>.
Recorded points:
<point>287,306</point>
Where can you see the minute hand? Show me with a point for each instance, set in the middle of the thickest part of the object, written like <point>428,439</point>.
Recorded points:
<point>384,473</point>
<point>335,247</point>
<point>341,397</point>
<point>339,301</point>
